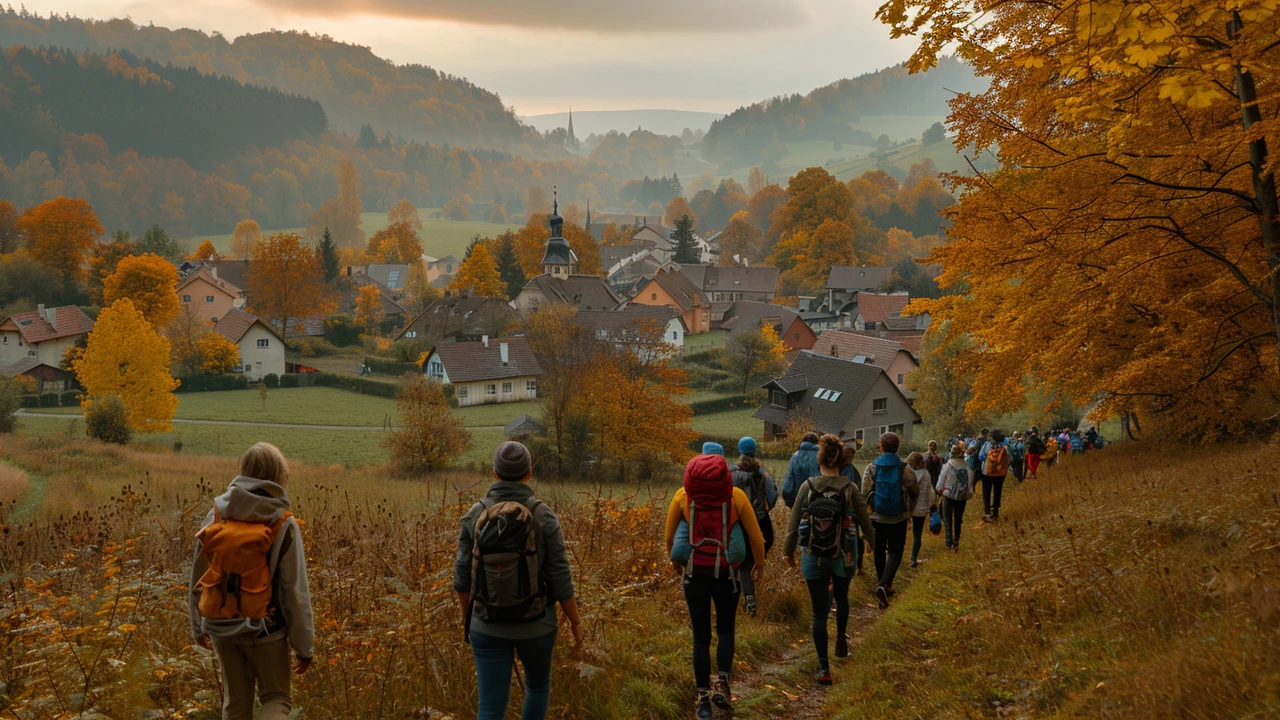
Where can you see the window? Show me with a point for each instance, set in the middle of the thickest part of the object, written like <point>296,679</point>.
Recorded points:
<point>491,389</point>
<point>880,405</point>
<point>857,434</point>
<point>779,398</point>
<point>435,369</point>
<point>899,378</point>
<point>411,334</point>
<point>208,298</point>
<point>186,298</point>
<point>675,335</point>
<point>264,343</point>
<point>653,296</point>
<point>462,393</point>
<point>531,386</point>
<point>896,429</point>
<point>883,429</point>
<point>506,388</point>
<point>6,339</point>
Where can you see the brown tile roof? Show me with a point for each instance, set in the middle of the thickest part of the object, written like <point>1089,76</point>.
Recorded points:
<point>740,279</point>
<point>235,272</point>
<point>748,314</point>
<point>849,345</point>
<point>203,273</point>
<point>472,361</point>
<point>857,277</point>
<point>589,292</point>
<point>235,323</point>
<point>910,341</point>
<point>70,321</point>
<point>874,307</point>
<point>680,288</point>
<point>614,324</point>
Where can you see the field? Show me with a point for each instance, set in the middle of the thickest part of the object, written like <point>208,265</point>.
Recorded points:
<point>439,237</point>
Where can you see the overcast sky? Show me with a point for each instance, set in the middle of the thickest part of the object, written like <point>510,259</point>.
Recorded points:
<point>543,56</point>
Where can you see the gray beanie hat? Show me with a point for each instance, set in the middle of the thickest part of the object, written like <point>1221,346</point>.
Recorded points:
<point>512,461</point>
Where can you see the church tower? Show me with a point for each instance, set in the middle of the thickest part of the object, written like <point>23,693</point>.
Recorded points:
<point>558,261</point>
<point>572,141</point>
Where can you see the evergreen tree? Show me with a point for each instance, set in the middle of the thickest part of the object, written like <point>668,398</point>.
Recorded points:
<point>156,240</point>
<point>368,139</point>
<point>328,253</point>
<point>509,266</point>
<point>686,250</point>
<point>475,240</point>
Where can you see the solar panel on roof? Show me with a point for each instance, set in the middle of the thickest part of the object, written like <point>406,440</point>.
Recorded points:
<point>393,279</point>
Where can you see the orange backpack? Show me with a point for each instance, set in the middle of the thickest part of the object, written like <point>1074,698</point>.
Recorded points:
<point>997,464</point>
<point>238,582</point>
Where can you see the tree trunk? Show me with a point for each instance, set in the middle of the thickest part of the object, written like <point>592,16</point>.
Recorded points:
<point>1264,183</point>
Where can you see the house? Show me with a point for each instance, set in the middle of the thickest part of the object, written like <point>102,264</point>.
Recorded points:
<point>731,284</point>
<point>868,309</point>
<point>261,349</point>
<point>235,272</point>
<point>842,396</point>
<point>499,370</point>
<point>45,334</point>
<point>630,270</point>
<point>440,271</point>
<point>460,317</point>
<point>349,292</point>
<point>47,378</point>
<point>791,328</point>
<point>391,276</point>
<point>888,355</point>
<point>560,283</point>
<point>845,281</point>
<point>671,288</point>
<point>209,295</point>
<point>615,326</point>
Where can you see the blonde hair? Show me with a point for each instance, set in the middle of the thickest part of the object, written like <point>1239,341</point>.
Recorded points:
<point>264,461</point>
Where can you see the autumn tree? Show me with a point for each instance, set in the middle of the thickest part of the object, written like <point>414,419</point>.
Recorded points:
<point>9,239</point>
<point>184,333</point>
<point>11,392</point>
<point>405,212</point>
<point>286,281</point>
<point>59,233</point>
<point>369,309</point>
<point>127,358</point>
<point>455,210</point>
<point>342,214</point>
<point>246,237</point>
<point>478,275</point>
<point>1135,205</point>
<point>756,180</point>
<point>218,355</point>
<point>206,251</point>
<point>676,209</point>
<point>429,436</point>
<point>103,261</point>
<point>398,243</point>
<point>805,258</point>
<point>147,280</point>
<point>740,243</point>
<point>755,355</point>
<point>763,204</point>
<point>943,382</point>
<point>156,240</point>
<point>563,349</point>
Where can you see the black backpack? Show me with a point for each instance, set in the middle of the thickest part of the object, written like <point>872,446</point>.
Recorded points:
<point>825,516</point>
<point>506,582</point>
<point>757,494</point>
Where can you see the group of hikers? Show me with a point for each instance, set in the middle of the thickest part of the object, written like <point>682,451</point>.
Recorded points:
<point>250,603</point>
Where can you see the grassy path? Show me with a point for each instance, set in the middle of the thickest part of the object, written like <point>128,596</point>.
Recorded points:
<point>31,498</point>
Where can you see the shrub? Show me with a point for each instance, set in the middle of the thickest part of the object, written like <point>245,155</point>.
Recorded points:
<point>107,420</point>
<point>715,405</point>
<point>313,347</point>
<point>388,366</point>
<point>342,330</point>
<point>430,436</point>
<point>70,398</point>
<point>49,399</point>
<point>11,398</point>
<point>30,401</point>
<point>289,380</point>
<point>271,380</point>
<point>208,383</point>
<point>409,350</point>
<point>356,384</point>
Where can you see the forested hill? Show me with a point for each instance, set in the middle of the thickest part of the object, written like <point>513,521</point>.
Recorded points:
<point>833,113</point>
<point>354,85</point>
<point>154,110</point>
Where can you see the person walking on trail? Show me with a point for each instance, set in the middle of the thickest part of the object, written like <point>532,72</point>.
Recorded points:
<point>803,465</point>
<point>976,455</point>
<point>889,485</point>
<point>955,485</point>
<point>1035,451</point>
<point>850,473</point>
<point>754,480</point>
<point>511,570</point>
<point>924,503</point>
<point>249,598</point>
<point>933,461</point>
<point>1064,443</point>
<point>719,521</point>
<point>712,448</point>
<point>822,524</point>
<point>996,461</point>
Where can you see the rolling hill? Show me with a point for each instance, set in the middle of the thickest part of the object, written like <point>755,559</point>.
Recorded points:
<point>599,122</point>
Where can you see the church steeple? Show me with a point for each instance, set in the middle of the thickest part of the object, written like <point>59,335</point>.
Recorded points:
<point>558,260</point>
<point>572,141</point>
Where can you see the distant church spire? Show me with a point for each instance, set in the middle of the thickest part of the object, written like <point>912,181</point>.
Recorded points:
<point>572,140</point>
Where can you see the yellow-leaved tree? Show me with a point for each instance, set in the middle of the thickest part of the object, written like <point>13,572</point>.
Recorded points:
<point>478,275</point>
<point>286,282</point>
<point>218,355</point>
<point>126,357</point>
<point>369,308</point>
<point>429,436</point>
<point>1125,251</point>
<point>206,251</point>
<point>246,237</point>
<point>148,281</point>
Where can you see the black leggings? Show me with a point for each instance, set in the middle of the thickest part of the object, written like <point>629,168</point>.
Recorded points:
<point>992,490</point>
<point>749,585</point>
<point>700,592</point>
<point>820,597</point>
<point>917,531</point>
<point>891,539</point>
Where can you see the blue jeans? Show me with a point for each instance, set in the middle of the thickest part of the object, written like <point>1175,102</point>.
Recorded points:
<point>495,658</point>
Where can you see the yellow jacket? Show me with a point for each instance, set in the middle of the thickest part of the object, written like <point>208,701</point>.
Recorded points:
<point>679,510</point>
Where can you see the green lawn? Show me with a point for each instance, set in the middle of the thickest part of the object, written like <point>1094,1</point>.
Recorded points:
<point>492,415</point>
<point>730,423</point>
<point>704,341</point>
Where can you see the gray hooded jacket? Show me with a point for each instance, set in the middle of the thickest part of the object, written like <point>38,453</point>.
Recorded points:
<point>251,500</point>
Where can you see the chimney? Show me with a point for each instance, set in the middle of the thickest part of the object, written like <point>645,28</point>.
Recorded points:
<point>40,309</point>
<point>51,317</point>
<point>502,348</point>
<point>485,339</point>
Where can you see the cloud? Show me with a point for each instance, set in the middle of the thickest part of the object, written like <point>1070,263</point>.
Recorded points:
<point>606,16</point>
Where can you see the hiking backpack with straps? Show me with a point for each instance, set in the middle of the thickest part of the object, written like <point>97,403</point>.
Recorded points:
<point>1035,445</point>
<point>824,516</point>
<point>712,515</point>
<point>886,499</point>
<point>242,557</point>
<point>996,463</point>
<point>758,495</point>
<point>962,487</point>
<point>506,580</point>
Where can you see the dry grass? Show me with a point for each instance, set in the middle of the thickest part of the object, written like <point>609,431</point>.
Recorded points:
<point>13,483</point>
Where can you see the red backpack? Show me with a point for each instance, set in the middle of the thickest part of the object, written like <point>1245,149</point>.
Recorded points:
<point>708,489</point>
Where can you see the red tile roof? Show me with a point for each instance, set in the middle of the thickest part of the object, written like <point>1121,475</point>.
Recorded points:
<point>848,345</point>
<point>70,321</point>
<point>680,288</point>
<point>203,273</point>
<point>875,307</point>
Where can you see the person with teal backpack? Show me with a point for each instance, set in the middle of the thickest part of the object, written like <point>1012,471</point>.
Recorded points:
<point>822,524</point>
<point>1018,456</point>
<point>891,490</point>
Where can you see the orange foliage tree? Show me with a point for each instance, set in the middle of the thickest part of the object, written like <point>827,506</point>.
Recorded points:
<point>478,275</point>
<point>342,214</point>
<point>103,261</point>
<point>286,281</point>
<point>676,209</point>
<point>218,355</point>
<point>531,244</point>
<point>246,237</point>
<point>206,251</point>
<point>740,243</point>
<point>126,357</point>
<point>9,239</point>
<point>405,212</point>
<point>149,281</point>
<point>59,233</point>
<point>398,243</point>
<point>1126,249</point>
<point>369,308</point>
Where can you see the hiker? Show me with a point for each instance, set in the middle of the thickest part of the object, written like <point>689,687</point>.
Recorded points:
<point>505,613</point>
<point>889,485</point>
<point>1050,456</point>
<point>974,449</point>
<point>995,467</point>
<point>1035,451</point>
<point>1064,443</point>
<point>924,503</point>
<point>850,472</point>
<point>933,461</point>
<point>1077,443</point>
<point>822,524</point>
<point>955,485</point>
<point>755,481</point>
<point>1091,437</point>
<point>718,517</point>
<point>249,600</point>
<point>803,465</point>
<point>712,448</point>
<point>1017,456</point>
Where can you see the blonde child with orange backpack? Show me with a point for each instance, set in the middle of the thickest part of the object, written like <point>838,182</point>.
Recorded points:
<point>248,595</point>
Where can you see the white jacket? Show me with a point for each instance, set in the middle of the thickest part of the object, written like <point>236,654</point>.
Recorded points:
<point>927,495</point>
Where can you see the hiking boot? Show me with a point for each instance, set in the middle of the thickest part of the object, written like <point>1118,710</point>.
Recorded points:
<point>750,605</point>
<point>704,706</point>
<point>720,695</point>
<point>889,589</point>
<point>842,646</point>
<point>883,596</point>
<point>823,676</point>
<point>995,515</point>
<point>914,565</point>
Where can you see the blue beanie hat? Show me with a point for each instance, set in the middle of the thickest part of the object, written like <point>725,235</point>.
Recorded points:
<point>747,446</point>
<point>712,448</point>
